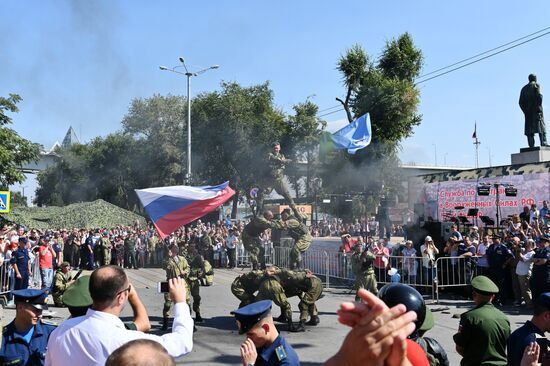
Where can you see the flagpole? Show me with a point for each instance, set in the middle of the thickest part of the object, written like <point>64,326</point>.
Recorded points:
<point>476,143</point>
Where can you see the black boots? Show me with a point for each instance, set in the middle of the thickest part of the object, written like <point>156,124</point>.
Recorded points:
<point>164,324</point>
<point>299,327</point>
<point>198,318</point>
<point>313,321</point>
<point>281,319</point>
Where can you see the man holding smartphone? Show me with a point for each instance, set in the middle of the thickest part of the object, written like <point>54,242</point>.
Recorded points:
<point>90,339</point>
<point>532,331</point>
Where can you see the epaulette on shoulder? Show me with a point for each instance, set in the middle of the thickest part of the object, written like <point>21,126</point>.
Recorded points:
<point>49,322</point>
<point>280,352</point>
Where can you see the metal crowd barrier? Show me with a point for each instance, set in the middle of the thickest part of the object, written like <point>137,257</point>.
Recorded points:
<point>35,280</point>
<point>428,277</point>
<point>457,272</point>
<point>7,277</point>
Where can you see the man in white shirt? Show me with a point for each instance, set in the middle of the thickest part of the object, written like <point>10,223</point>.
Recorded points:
<point>88,340</point>
<point>523,270</point>
<point>231,244</point>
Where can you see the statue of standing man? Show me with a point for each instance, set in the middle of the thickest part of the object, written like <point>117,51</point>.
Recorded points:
<point>530,101</point>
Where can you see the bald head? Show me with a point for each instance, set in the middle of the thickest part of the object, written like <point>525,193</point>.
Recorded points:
<point>105,285</point>
<point>140,352</point>
<point>268,215</point>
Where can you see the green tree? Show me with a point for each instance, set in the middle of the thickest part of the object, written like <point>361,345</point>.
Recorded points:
<point>17,200</point>
<point>386,91</point>
<point>232,129</point>
<point>301,139</point>
<point>156,123</point>
<point>14,150</point>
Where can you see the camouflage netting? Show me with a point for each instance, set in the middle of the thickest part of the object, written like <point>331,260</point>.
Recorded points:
<point>96,214</point>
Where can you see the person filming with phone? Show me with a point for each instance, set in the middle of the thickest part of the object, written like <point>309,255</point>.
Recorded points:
<point>90,339</point>
<point>532,331</point>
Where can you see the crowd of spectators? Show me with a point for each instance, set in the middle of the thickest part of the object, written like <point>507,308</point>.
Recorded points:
<point>358,227</point>
<point>516,258</point>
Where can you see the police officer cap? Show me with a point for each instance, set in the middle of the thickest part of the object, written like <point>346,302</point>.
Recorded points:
<point>543,300</point>
<point>484,285</point>
<point>248,316</point>
<point>78,295</point>
<point>23,240</point>
<point>31,296</point>
<point>398,293</point>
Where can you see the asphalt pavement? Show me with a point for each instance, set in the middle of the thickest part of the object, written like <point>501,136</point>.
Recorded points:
<point>217,341</point>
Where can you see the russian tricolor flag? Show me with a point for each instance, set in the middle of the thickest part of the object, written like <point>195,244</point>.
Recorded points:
<point>172,207</point>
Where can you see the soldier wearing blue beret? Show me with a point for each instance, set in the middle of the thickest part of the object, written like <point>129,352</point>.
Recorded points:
<point>25,339</point>
<point>263,345</point>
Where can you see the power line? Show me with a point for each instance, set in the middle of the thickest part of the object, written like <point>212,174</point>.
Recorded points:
<point>329,108</point>
<point>483,53</point>
<point>514,42</point>
<point>481,59</point>
<point>326,114</point>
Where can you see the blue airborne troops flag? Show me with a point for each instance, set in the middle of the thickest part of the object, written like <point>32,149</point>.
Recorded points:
<point>355,136</point>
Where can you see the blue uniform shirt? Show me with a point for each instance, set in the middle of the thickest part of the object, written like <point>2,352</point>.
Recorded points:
<point>520,339</point>
<point>21,258</point>
<point>497,255</point>
<point>278,353</point>
<point>16,351</point>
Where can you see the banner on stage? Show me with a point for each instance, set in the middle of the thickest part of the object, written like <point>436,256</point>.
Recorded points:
<point>440,199</point>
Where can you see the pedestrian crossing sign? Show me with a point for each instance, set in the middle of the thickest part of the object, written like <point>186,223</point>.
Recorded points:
<point>4,202</point>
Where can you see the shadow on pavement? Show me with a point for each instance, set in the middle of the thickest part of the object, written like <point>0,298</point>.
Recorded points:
<point>219,322</point>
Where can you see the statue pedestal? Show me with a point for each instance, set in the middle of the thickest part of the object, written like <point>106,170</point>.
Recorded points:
<point>528,155</point>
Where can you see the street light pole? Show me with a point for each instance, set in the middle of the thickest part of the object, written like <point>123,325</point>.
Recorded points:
<point>189,75</point>
<point>188,175</point>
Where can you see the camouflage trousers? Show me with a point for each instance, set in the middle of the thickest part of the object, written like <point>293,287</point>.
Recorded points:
<point>192,291</point>
<point>300,246</point>
<point>307,299</point>
<point>366,280</point>
<point>106,257</point>
<point>271,289</point>
<point>280,187</point>
<point>240,293</point>
<point>255,249</point>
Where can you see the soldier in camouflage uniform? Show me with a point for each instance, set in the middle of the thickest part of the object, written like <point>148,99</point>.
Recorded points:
<point>152,243</point>
<point>282,284</point>
<point>175,266</point>
<point>205,244</point>
<point>299,232</point>
<point>194,280</point>
<point>105,249</point>
<point>245,286</point>
<point>251,238</point>
<point>362,265</point>
<point>275,178</point>
<point>203,269</point>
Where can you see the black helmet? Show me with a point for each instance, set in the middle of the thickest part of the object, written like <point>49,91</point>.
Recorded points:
<point>398,293</point>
